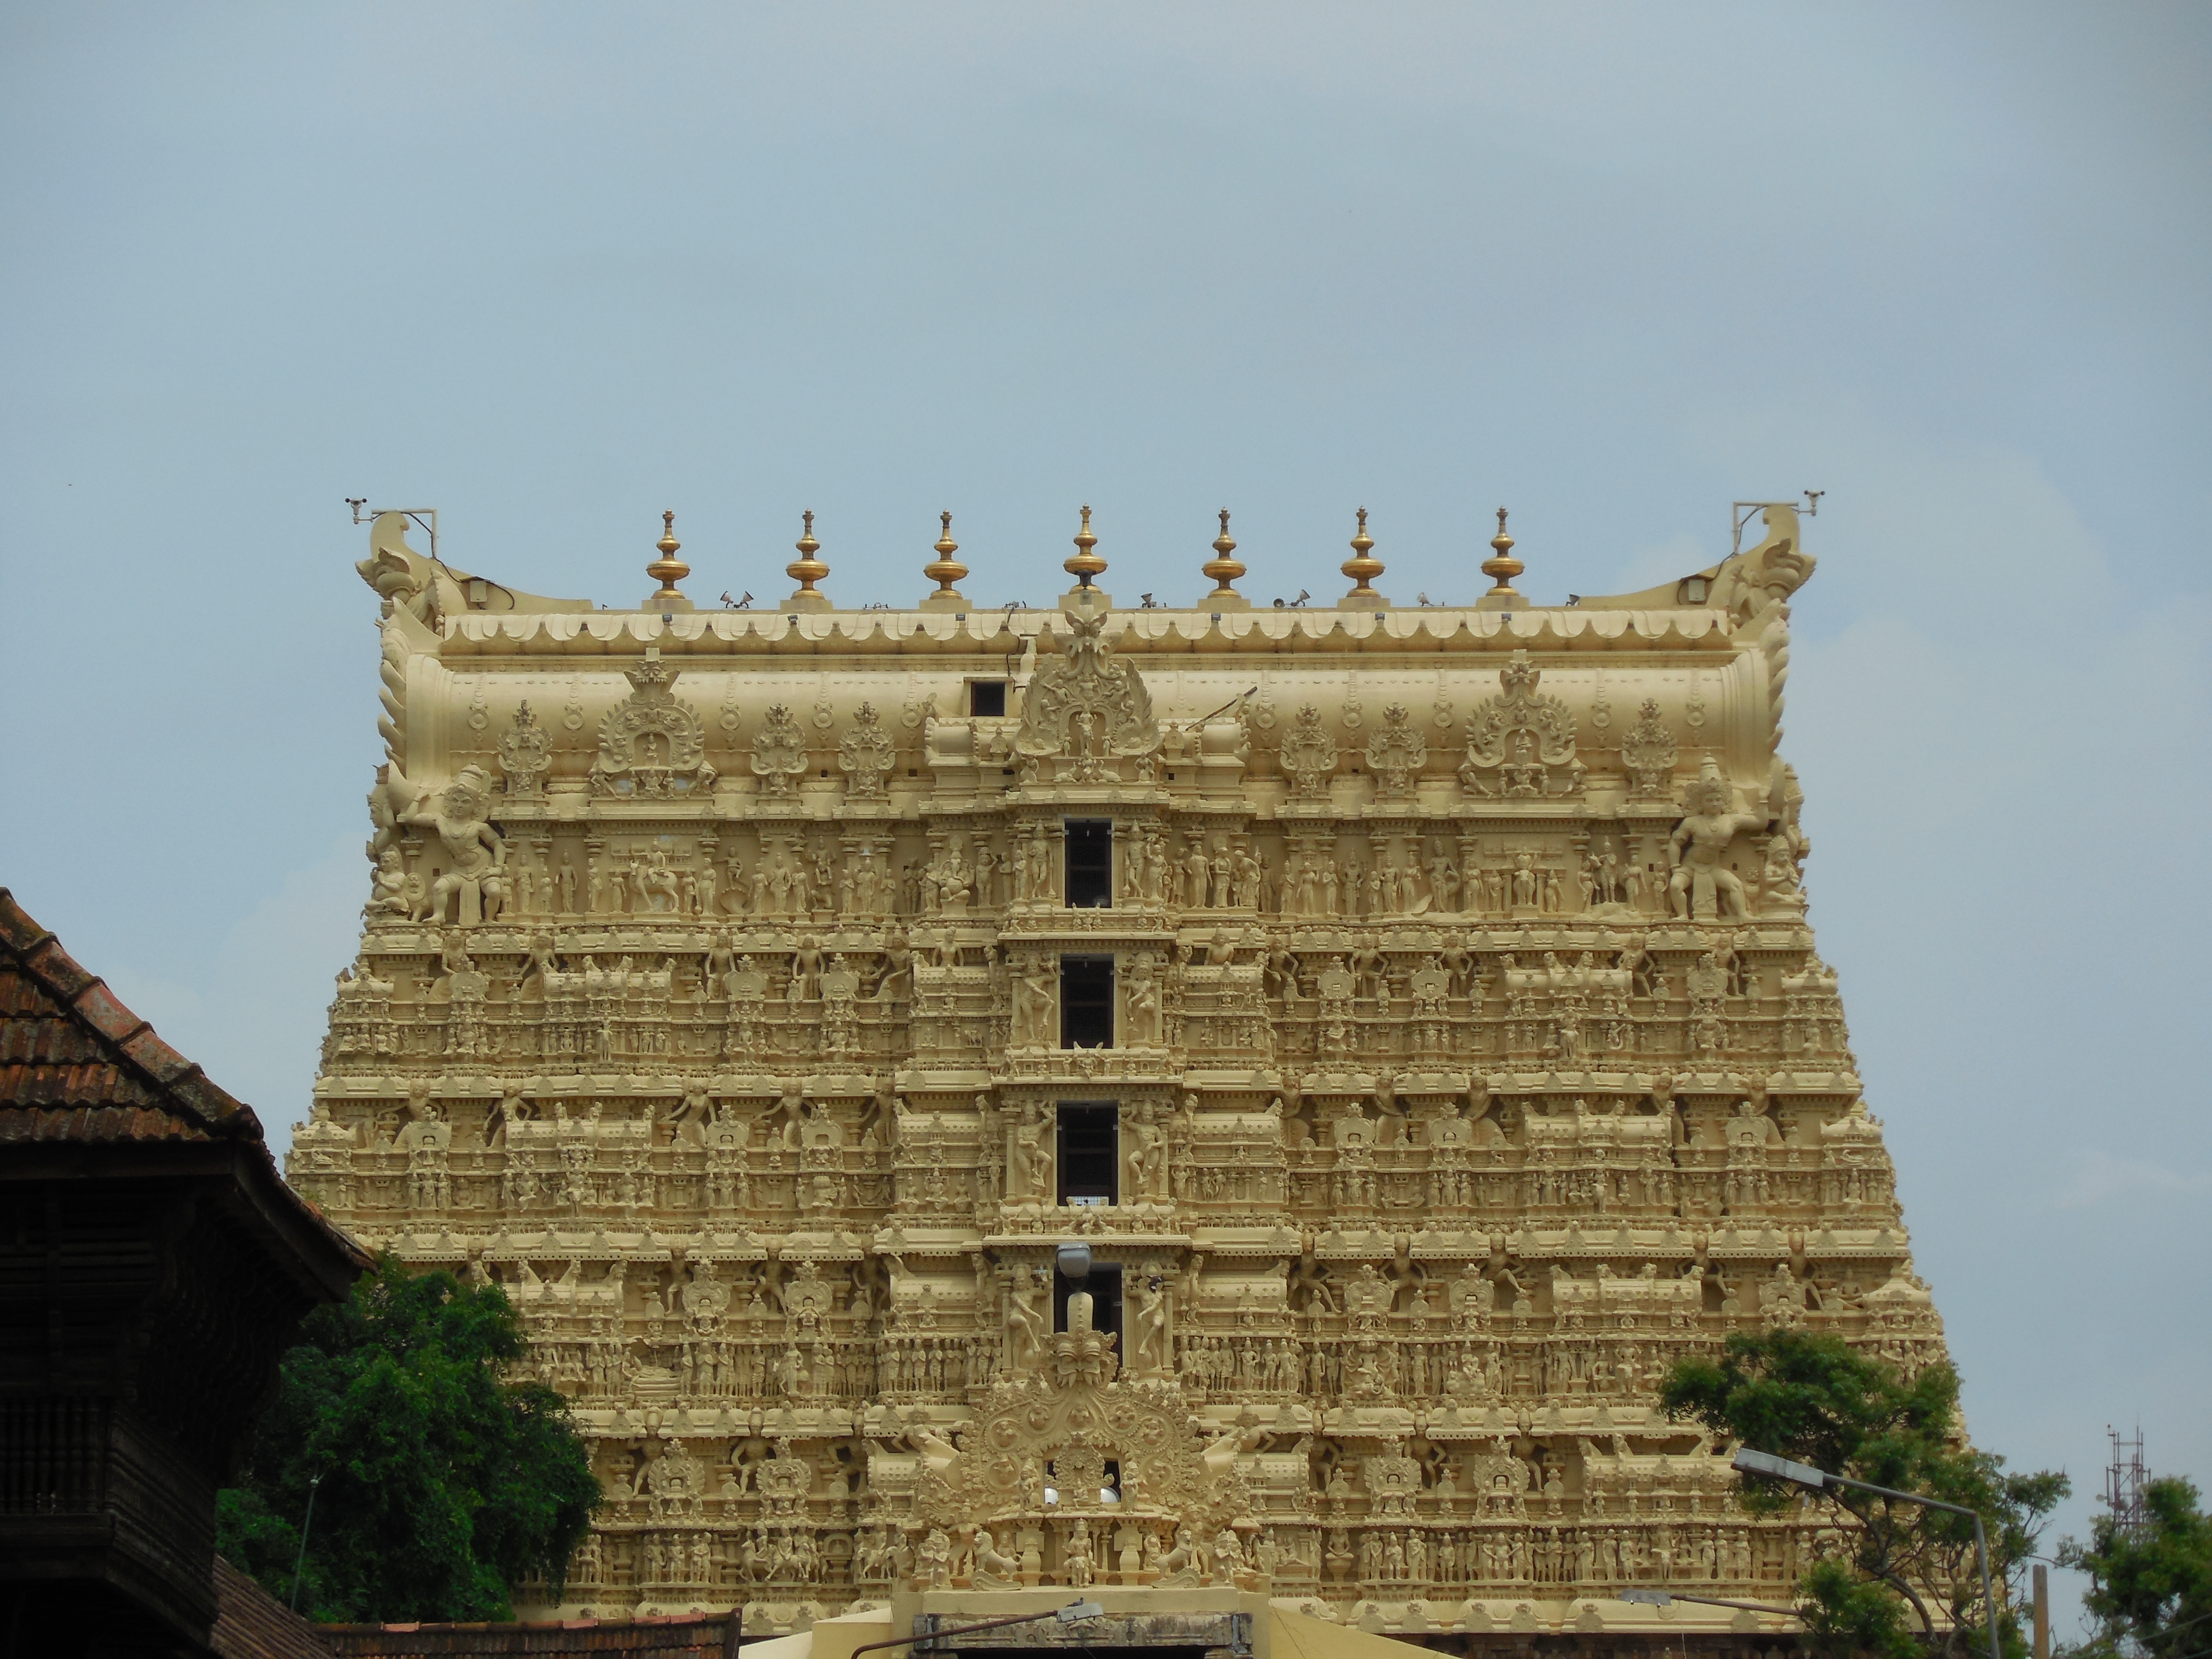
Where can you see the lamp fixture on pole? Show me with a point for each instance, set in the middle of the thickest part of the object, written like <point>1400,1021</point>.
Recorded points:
<point>1767,1464</point>
<point>1659,1598</point>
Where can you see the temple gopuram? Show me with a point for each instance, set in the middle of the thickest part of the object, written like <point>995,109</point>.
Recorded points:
<point>1202,1109</point>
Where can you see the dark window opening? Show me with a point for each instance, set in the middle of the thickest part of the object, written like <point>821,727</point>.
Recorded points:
<point>1105,1287</point>
<point>1090,864</point>
<point>1090,1149</point>
<point>987,697</point>
<point>1086,1002</point>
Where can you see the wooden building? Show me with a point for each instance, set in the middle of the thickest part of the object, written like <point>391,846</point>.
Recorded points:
<point>154,1267</point>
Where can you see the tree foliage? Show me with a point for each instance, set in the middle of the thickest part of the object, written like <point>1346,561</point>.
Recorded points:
<point>1907,1580</point>
<point>2150,1590</point>
<point>443,1484</point>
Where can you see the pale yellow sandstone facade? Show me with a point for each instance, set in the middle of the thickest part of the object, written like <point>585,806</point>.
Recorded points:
<point>1411,1009</point>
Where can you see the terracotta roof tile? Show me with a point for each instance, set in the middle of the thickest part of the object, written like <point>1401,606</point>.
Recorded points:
<point>100,1008</point>
<point>87,1123</point>
<point>66,1040</point>
<point>674,1636</point>
<point>77,1066</point>
<point>251,1624</point>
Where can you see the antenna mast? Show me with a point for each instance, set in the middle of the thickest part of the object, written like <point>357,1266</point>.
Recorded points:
<point>2125,1477</point>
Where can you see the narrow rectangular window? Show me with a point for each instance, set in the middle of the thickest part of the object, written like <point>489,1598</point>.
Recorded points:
<point>1089,1148</point>
<point>986,698</point>
<point>1086,1002</point>
<point>1090,864</point>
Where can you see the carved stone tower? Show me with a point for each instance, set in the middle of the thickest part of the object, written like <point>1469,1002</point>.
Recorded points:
<point>1081,1096</point>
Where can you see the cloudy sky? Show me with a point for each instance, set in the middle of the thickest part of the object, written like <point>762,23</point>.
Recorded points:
<point>552,269</point>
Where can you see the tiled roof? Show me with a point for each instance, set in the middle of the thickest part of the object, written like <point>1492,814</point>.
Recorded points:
<point>675,1638</point>
<point>251,1624</point>
<point>77,1066</point>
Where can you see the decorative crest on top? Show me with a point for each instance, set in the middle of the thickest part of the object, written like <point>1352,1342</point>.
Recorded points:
<point>525,754</point>
<point>865,756</point>
<point>1363,567</point>
<point>1501,567</point>
<point>1522,743</point>
<point>806,570</point>
<point>779,751</point>
<point>1395,753</point>
<point>945,570</point>
<point>1648,751</point>
<point>1084,705</point>
<point>667,569</point>
<point>1221,570</point>
<point>649,743</point>
<point>1308,755</point>
<point>1086,565</point>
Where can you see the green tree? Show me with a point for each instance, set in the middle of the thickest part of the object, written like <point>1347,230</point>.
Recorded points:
<point>1907,1571</point>
<point>443,1484</point>
<point>2150,1588</point>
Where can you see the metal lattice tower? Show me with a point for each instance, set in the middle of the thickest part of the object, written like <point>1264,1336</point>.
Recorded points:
<point>2125,1478</point>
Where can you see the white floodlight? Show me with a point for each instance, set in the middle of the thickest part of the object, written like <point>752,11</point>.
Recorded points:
<point>1075,1610</point>
<point>1748,1461</point>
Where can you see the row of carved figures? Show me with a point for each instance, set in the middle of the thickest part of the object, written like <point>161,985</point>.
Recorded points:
<point>1081,1551</point>
<point>803,971</point>
<point>475,879</point>
<point>1229,875</point>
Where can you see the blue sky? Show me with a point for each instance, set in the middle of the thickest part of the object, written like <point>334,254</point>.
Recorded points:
<point>553,269</point>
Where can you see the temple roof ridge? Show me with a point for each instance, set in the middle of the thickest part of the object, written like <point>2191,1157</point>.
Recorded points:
<point>606,632</point>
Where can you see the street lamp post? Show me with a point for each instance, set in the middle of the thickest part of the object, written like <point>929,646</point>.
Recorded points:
<point>1748,1461</point>
<point>314,1484</point>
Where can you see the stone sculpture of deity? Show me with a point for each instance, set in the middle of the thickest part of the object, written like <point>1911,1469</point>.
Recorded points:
<point>473,881</point>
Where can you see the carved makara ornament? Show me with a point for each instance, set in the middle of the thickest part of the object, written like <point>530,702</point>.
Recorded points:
<point>649,743</point>
<point>779,751</point>
<point>1395,754</point>
<point>865,756</point>
<point>525,753</point>
<point>1085,706</point>
<point>1308,755</point>
<point>1522,742</point>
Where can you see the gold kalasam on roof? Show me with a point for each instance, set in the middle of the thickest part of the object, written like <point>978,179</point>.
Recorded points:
<point>1416,1019</point>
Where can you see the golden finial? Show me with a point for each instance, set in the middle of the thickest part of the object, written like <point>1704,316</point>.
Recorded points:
<point>806,570</point>
<point>945,570</point>
<point>1086,565</point>
<point>1222,570</point>
<point>1363,567</point>
<point>667,569</point>
<point>1501,566</point>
